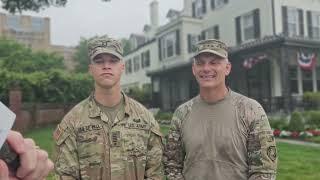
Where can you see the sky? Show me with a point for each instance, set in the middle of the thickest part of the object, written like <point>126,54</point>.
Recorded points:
<point>87,18</point>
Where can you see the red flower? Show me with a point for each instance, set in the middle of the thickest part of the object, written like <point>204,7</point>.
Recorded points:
<point>276,132</point>
<point>314,132</point>
<point>295,134</point>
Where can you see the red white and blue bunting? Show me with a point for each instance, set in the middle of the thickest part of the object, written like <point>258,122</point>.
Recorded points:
<point>251,61</point>
<point>306,61</point>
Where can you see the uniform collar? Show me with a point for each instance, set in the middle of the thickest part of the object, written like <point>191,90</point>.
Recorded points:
<point>94,110</point>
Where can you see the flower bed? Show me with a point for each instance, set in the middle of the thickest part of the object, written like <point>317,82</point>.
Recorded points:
<point>307,135</point>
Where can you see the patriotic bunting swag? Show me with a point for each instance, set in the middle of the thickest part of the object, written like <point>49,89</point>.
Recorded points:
<point>250,62</point>
<point>306,61</point>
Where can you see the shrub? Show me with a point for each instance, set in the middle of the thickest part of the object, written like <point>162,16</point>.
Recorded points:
<point>278,123</point>
<point>54,86</point>
<point>311,100</point>
<point>313,119</point>
<point>296,122</point>
<point>164,116</point>
<point>143,95</point>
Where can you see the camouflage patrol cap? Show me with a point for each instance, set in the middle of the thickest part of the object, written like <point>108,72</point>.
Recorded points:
<point>212,46</point>
<point>104,44</point>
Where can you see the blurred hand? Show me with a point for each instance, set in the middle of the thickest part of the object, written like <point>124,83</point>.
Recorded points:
<point>34,162</point>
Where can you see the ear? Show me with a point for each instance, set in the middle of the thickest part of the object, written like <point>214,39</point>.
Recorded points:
<point>228,68</point>
<point>122,66</point>
<point>193,70</point>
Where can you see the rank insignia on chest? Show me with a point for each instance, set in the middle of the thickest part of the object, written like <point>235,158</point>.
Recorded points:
<point>115,138</point>
<point>136,120</point>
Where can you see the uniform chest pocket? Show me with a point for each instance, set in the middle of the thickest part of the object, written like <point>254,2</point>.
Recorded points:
<point>91,147</point>
<point>135,139</point>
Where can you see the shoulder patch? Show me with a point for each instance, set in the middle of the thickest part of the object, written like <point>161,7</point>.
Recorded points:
<point>57,133</point>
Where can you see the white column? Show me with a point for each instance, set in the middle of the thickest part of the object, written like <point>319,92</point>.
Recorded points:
<point>314,79</point>
<point>299,78</point>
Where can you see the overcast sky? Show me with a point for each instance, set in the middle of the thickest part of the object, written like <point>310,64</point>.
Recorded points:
<point>86,18</point>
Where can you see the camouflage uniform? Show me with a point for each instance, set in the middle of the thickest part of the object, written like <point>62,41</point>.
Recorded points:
<point>261,162</point>
<point>229,139</point>
<point>89,146</point>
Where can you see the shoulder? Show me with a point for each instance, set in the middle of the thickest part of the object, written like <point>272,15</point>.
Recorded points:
<point>73,117</point>
<point>182,111</point>
<point>242,100</point>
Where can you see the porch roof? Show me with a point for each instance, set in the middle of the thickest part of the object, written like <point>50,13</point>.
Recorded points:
<point>252,45</point>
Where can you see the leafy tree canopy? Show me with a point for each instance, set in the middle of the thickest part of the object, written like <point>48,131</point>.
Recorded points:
<point>81,56</point>
<point>16,57</point>
<point>14,6</point>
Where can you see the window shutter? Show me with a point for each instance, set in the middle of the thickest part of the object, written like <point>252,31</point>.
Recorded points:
<point>178,42</point>
<point>309,21</point>
<point>193,9</point>
<point>301,22</point>
<point>285,20</point>
<point>213,4</point>
<point>216,32</point>
<point>226,1</point>
<point>256,23</point>
<point>238,29</point>
<point>189,43</point>
<point>147,59</point>
<point>142,60</point>
<point>203,35</point>
<point>159,46</point>
<point>204,6</point>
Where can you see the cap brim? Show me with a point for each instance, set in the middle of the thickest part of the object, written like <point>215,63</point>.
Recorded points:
<point>212,52</point>
<point>101,51</point>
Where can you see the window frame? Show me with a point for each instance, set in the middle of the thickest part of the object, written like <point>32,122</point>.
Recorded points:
<point>245,26</point>
<point>168,38</point>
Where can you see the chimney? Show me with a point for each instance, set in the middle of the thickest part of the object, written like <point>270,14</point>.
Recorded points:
<point>187,8</point>
<point>154,14</point>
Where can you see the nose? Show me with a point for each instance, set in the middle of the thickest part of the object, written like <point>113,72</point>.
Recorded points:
<point>206,66</point>
<point>106,64</point>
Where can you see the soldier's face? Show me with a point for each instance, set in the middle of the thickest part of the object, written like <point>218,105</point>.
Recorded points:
<point>106,70</point>
<point>210,70</point>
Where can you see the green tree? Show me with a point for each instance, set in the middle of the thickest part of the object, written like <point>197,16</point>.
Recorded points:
<point>81,56</point>
<point>296,122</point>
<point>17,58</point>
<point>14,6</point>
<point>126,46</point>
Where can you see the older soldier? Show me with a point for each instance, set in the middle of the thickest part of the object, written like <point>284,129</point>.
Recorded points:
<point>219,134</point>
<point>108,136</point>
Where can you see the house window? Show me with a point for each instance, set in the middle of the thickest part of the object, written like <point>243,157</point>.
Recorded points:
<point>307,81</point>
<point>248,26</point>
<point>37,24</point>
<point>136,63</point>
<point>218,3</point>
<point>316,25</point>
<point>293,22</point>
<point>170,45</point>
<point>13,22</point>
<point>128,66</point>
<point>199,7</point>
<point>293,76</point>
<point>192,40</point>
<point>145,59</point>
<point>211,33</point>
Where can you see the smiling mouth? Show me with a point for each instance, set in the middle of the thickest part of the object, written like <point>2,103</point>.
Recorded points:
<point>207,76</point>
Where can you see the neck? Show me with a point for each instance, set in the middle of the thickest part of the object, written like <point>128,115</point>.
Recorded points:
<point>210,95</point>
<point>108,97</point>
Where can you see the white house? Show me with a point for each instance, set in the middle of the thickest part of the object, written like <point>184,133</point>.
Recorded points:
<point>274,45</point>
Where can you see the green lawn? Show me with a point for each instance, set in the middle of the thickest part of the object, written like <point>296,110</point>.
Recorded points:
<point>296,162</point>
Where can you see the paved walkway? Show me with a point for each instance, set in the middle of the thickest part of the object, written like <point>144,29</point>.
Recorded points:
<point>298,142</point>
